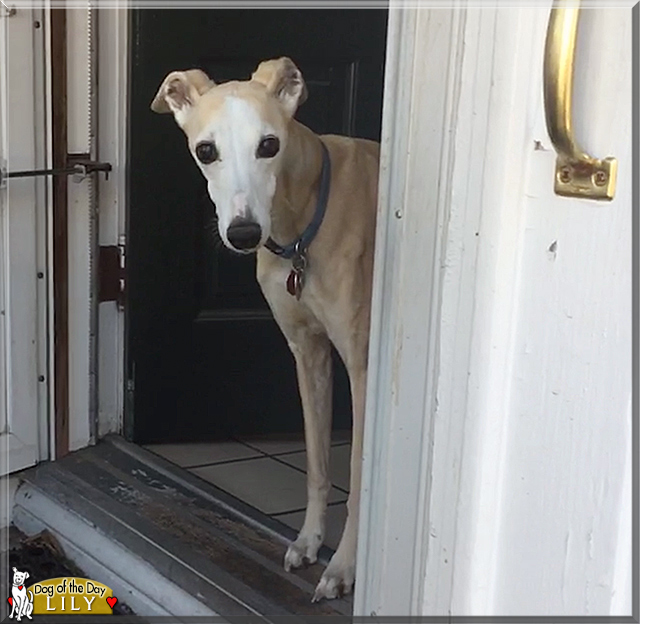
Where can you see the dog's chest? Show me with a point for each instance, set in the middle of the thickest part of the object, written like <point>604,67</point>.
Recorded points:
<point>274,277</point>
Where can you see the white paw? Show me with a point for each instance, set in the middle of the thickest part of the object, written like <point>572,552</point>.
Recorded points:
<point>337,580</point>
<point>304,548</point>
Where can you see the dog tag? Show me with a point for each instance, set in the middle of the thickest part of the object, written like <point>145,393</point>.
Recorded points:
<point>296,278</point>
<point>294,284</point>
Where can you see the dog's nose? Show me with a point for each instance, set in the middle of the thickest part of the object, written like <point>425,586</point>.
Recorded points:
<point>244,234</point>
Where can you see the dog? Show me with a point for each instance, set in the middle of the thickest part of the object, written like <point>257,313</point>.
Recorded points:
<point>20,604</point>
<point>306,205</point>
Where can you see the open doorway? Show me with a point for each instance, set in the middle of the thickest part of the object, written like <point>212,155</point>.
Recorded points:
<point>210,381</point>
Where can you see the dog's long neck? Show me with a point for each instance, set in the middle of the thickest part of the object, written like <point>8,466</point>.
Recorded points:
<point>294,204</point>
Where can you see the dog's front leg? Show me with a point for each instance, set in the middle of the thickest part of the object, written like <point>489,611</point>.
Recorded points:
<point>314,368</point>
<point>338,577</point>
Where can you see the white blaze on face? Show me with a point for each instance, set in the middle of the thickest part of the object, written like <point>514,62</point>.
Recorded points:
<point>240,184</point>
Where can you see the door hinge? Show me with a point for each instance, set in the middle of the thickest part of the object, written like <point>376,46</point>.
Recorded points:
<point>112,274</point>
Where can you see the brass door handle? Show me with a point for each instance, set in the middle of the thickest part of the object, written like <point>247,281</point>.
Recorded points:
<point>576,173</point>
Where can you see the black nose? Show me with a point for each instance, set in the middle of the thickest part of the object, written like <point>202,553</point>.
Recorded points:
<point>244,234</point>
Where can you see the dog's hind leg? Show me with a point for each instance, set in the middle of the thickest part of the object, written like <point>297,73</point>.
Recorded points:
<point>313,356</point>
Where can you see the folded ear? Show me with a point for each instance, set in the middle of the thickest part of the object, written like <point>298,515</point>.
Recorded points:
<point>180,91</point>
<point>284,81</point>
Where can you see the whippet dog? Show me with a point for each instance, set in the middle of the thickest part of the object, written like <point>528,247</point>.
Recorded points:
<point>306,204</point>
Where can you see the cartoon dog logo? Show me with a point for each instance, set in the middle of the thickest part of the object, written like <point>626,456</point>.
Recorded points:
<point>20,604</point>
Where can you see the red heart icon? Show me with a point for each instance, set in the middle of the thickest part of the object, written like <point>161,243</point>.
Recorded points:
<point>20,587</point>
<point>111,601</point>
<point>11,602</point>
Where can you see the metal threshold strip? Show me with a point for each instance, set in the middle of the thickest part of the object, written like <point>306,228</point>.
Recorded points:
<point>170,543</point>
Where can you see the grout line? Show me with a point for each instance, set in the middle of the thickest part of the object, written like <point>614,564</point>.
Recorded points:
<point>281,513</point>
<point>243,442</point>
<point>304,508</point>
<point>220,462</point>
<point>294,451</point>
<point>336,443</point>
<point>337,503</point>
<point>274,457</point>
<point>286,464</point>
<point>261,454</point>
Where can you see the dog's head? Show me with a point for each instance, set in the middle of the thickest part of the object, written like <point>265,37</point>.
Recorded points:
<point>237,133</point>
<point>19,577</point>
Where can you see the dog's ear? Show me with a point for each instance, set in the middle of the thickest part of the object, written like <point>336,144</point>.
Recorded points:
<point>14,569</point>
<point>284,81</point>
<point>179,91</point>
<point>26,575</point>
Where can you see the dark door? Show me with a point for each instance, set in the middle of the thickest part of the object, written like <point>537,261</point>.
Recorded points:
<point>205,359</point>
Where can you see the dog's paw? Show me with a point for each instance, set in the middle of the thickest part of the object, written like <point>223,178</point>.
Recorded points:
<point>337,580</point>
<point>305,548</point>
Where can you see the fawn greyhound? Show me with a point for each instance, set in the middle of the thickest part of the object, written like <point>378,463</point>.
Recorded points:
<point>306,204</point>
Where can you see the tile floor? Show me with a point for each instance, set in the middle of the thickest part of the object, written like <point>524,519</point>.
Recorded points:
<point>268,473</point>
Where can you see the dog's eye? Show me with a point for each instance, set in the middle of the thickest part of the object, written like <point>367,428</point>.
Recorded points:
<point>269,146</point>
<point>207,152</point>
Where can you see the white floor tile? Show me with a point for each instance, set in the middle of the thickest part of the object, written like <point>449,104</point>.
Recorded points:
<point>339,464</point>
<point>264,483</point>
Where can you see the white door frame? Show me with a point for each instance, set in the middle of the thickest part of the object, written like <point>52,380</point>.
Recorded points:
<point>25,284</point>
<point>112,122</point>
<point>458,144</point>
<point>403,352</point>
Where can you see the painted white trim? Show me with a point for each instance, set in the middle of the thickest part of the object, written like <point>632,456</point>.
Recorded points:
<point>423,58</point>
<point>466,307</point>
<point>481,277</point>
<point>79,77</point>
<point>47,101</point>
<point>44,292</point>
<point>23,427</point>
<point>113,55</point>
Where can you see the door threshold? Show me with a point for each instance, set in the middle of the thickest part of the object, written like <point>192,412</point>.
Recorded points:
<point>167,542</point>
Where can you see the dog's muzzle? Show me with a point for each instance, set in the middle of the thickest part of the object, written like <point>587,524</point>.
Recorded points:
<point>244,234</point>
